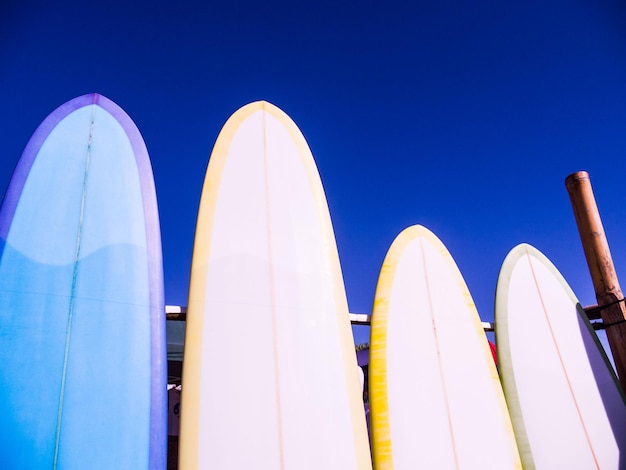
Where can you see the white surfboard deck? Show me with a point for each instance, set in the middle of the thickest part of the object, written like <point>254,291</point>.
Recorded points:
<point>564,400</point>
<point>270,373</point>
<point>436,400</point>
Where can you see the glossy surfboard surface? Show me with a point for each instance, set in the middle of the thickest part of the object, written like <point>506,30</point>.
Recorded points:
<point>83,376</point>
<point>566,405</point>
<point>270,375</point>
<point>435,396</point>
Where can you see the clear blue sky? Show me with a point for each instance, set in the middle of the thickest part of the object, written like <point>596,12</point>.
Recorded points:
<point>465,117</point>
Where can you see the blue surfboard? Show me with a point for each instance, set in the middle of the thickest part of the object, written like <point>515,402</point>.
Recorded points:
<point>82,326</point>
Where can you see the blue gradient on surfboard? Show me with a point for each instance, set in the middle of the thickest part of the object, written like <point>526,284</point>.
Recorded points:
<point>75,277</point>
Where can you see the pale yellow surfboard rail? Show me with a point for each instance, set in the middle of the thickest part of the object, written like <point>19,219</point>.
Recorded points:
<point>418,261</point>
<point>196,375</point>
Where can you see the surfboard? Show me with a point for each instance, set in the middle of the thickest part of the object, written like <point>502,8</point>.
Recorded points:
<point>270,374</point>
<point>82,344</point>
<point>435,396</point>
<point>565,403</point>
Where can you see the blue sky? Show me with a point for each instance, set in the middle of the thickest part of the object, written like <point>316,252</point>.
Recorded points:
<point>464,118</point>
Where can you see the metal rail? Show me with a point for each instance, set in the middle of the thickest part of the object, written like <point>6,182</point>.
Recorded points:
<point>178,313</point>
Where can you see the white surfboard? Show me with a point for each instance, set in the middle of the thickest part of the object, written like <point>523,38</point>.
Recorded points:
<point>565,403</point>
<point>270,374</point>
<point>435,397</point>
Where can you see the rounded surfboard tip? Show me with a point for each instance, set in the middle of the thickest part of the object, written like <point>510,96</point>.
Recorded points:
<point>86,139</point>
<point>545,340</point>
<point>261,172</point>
<point>43,131</point>
<point>509,264</point>
<point>246,110</point>
<point>418,261</point>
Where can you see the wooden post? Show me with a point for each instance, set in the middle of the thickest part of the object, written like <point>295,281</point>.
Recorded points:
<point>608,292</point>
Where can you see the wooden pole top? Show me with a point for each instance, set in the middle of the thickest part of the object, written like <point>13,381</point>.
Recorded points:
<point>606,285</point>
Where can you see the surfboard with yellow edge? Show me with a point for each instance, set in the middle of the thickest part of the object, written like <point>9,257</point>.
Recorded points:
<point>435,397</point>
<point>270,376</point>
